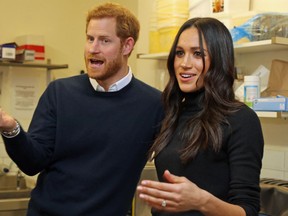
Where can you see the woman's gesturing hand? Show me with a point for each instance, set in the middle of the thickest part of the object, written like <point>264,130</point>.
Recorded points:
<point>177,194</point>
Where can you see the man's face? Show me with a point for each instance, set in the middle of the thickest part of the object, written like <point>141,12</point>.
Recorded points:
<point>104,52</point>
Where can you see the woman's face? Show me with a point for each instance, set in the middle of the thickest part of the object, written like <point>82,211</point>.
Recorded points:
<point>188,63</point>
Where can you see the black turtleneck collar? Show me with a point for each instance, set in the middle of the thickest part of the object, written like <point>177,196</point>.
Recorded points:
<point>193,101</point>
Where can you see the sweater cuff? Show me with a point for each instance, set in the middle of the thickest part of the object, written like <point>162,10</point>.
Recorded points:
<point>12,133</point>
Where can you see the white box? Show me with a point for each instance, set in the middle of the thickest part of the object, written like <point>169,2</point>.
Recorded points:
<point>25,55</point>
<point>8,51</point>
<point>32,42</point>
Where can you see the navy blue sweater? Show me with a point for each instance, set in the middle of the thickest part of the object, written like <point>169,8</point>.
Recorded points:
<point>89,147</point>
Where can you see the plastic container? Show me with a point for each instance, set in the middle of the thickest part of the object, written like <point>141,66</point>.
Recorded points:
<point>166,37</point>
<point>251,89</point>
<point>171,14</point>
<point>153,35</point>
<point>172,5</point>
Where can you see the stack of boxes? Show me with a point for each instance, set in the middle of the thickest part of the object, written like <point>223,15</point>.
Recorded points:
<point>24,48</point>
<point>30,47</point>
<point>153,35</point>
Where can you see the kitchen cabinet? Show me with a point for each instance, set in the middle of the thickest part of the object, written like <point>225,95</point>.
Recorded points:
<point>246,50</point>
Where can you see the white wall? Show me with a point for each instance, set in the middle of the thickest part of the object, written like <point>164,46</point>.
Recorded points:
<point>269,5</point>
<point>61,22</point>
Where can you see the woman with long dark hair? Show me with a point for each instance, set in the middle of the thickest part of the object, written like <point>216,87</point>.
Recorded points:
<point>209,151</point>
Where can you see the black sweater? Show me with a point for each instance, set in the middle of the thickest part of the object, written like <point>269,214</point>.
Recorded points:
<point>232,174</point>
<point>89,147</point>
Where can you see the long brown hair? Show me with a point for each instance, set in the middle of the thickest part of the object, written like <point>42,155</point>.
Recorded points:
<point>204,129</point>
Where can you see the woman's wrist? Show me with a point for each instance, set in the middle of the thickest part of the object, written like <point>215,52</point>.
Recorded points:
<point>205,199</point>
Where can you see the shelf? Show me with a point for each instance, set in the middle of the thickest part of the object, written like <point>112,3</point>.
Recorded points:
<point>155,56</point>
<point>34,65</point>
<point>48,66</point>
<point>267,114</point>
<point>276,43</point>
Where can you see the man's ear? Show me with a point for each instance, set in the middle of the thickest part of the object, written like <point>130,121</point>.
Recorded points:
<point>128,46</point>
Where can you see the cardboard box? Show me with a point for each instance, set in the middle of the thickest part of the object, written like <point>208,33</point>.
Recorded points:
<point>271,104</point>
<point>25,55</point>
<point>8,51</point>
<point>32,42</point>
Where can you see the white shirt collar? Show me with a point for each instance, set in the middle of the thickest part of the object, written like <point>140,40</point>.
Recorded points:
<point>114,87</point>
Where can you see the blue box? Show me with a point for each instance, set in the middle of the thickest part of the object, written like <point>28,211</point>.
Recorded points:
<point>271,104</point>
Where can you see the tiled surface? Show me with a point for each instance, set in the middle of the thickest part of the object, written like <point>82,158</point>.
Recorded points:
<point>275,162</point>
<point>274,159</point>
<point>269,173</point>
